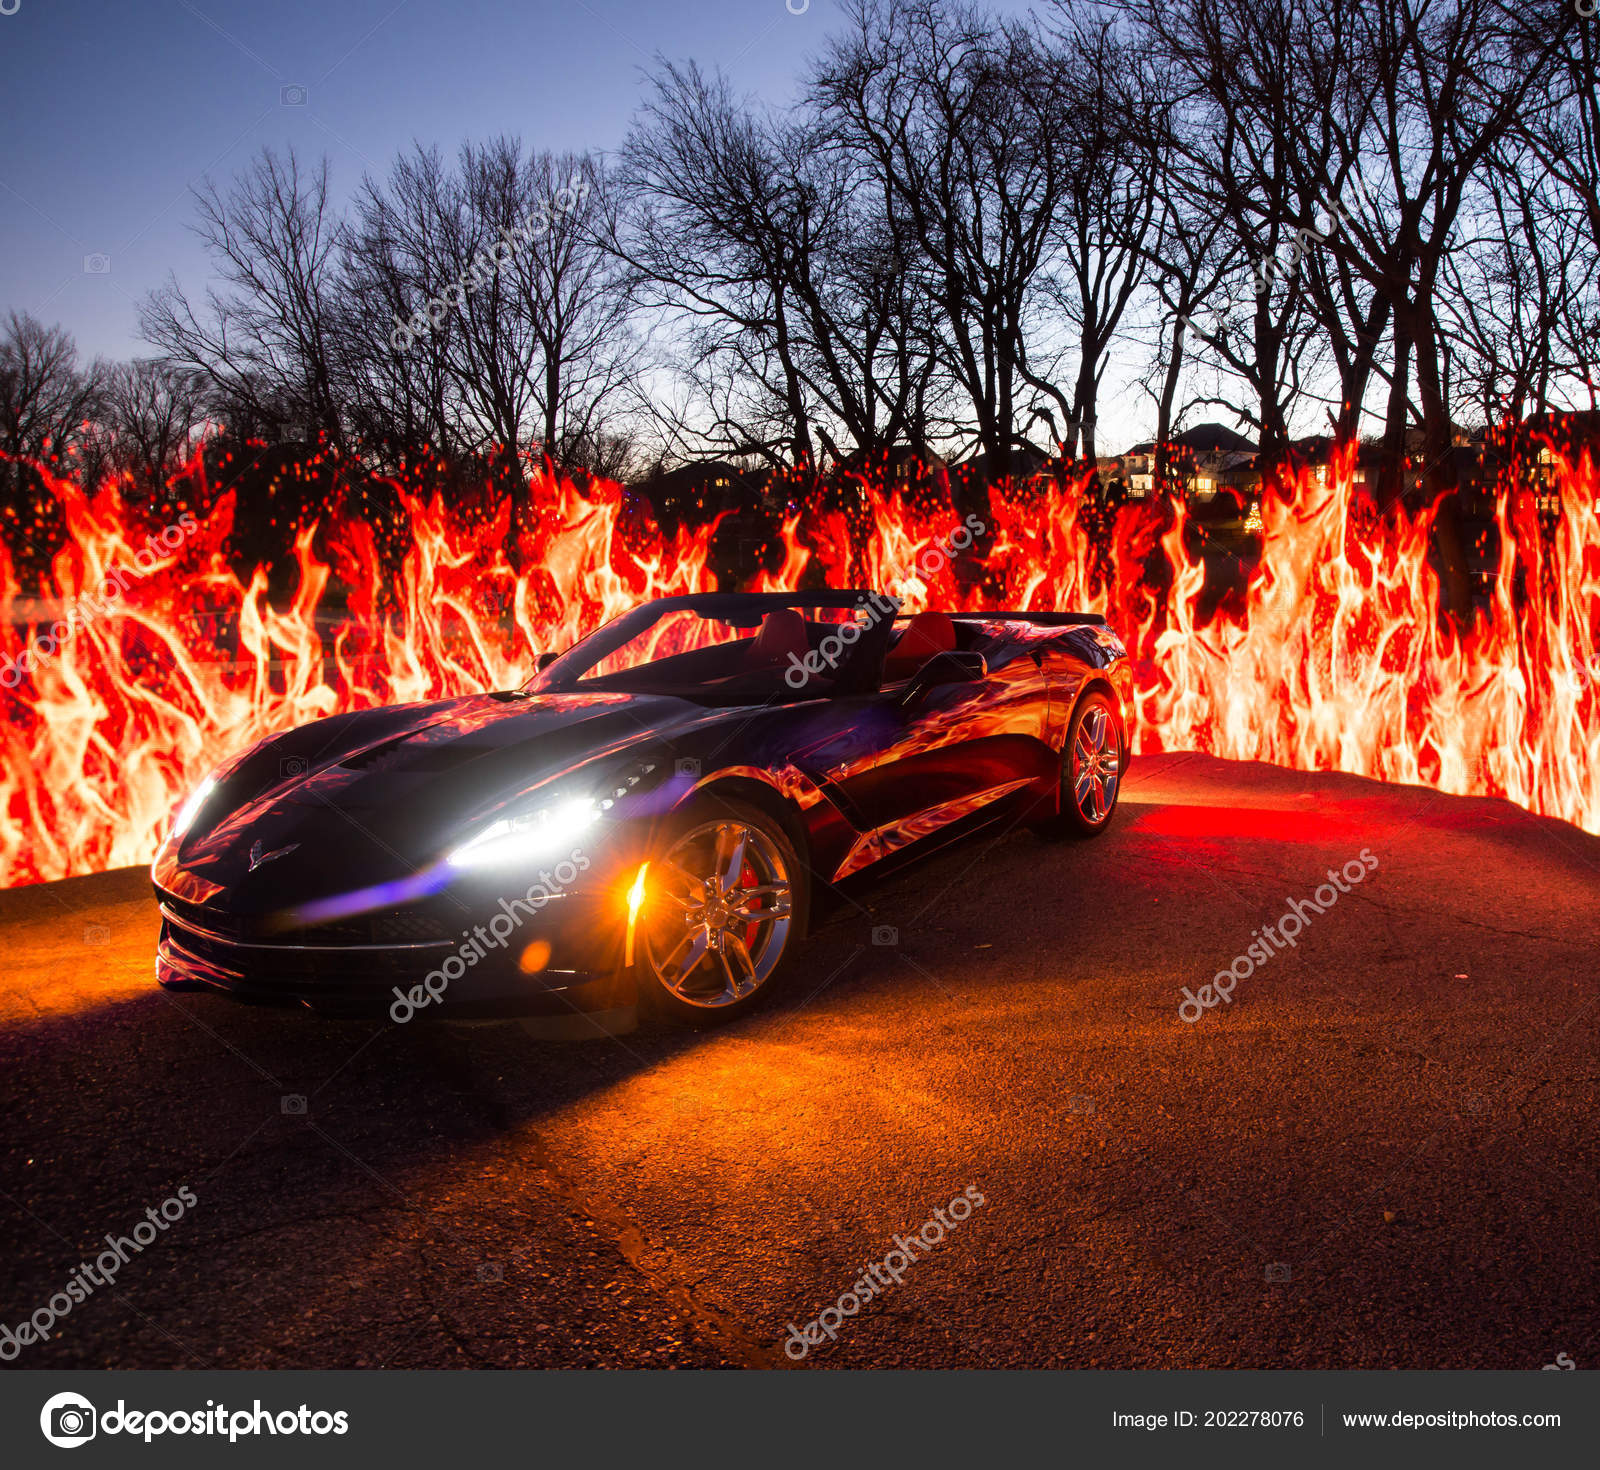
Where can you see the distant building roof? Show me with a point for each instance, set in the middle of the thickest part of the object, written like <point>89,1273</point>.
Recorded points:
<point>1314,448</point>
<point>892,454</point>
<point>1212,437</point>
<point>693,475</point>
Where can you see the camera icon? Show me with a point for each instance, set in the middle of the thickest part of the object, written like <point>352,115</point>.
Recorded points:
<point>97,264</point>
<point>491,1271</point>
<point>293,1105</point>
<point>885,935</point>
<point>1080,1102</point>
<point>292,96</point>
<point>687,766</point>
<point>96,934</point>
<point>68,1419</point>
<point>1279,1271</point>
<point>292,765</point>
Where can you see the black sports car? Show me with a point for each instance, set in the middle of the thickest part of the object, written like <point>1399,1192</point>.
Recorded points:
<point>649,822</point>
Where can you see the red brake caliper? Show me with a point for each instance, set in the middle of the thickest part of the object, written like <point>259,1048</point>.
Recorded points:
<point>747,879</point>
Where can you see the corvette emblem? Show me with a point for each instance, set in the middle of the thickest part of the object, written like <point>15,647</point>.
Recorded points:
<point>257,857</point>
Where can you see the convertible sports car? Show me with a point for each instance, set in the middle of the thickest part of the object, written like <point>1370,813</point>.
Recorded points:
<point>649,823</point>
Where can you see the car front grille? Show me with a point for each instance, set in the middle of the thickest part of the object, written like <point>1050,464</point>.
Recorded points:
<point>282,969</point>
<point>389,927</point>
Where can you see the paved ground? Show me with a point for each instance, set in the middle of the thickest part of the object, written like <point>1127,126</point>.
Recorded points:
<point>1398,1116</point>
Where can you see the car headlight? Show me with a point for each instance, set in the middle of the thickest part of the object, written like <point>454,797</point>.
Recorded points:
<point>542,832</point>
<point>191,808</point>
<point>528,838</point>
<point>187,813</point>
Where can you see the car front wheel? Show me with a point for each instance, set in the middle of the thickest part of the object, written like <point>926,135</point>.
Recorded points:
<point>722,904</point>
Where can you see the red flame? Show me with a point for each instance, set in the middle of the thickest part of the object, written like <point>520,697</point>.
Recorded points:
<point>1336,659</point>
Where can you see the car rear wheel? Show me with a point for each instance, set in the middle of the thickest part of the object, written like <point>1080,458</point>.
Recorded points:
<point>722,905</point>
<point>1091,770</point>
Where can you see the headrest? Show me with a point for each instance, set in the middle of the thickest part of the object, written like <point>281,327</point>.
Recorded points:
<point>782,633</point>
<point>926,634</point>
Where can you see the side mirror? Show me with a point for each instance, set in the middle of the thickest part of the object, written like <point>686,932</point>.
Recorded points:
<point>545,659</point>
<point>958,666</point>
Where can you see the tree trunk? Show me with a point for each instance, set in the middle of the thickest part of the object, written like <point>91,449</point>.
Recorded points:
<point>1084,405</point>
<point>1392,483</point>
<point>1358,372</point>
<point>1439,466</point>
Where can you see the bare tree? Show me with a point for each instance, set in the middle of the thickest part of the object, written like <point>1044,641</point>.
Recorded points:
<point>397,382</point>
<point>571,293</point>
<point>788,279</point>
<point>47,401</point>
<point>1187,265</point>
<point>1107,213</point>
<point>718,227</point>
<point>265,346</point>
<point>1237,134</point>
<point>152,414</point>
<point>482,313</point>
<point>1510,285</point>
<point>1564,137</point>
<point>44,396</point>
<point>963,123</point>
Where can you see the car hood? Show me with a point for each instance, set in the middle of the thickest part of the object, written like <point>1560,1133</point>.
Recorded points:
<point>383,794</point>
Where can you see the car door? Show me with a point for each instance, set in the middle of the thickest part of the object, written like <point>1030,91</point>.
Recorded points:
<point>956,748</point>
<point>842,756</point>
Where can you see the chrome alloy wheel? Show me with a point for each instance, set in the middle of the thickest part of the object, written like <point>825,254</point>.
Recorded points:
<point>722,919</point>
<point>1096,764</point>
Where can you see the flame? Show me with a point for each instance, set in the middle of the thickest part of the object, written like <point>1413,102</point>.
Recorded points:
<point>1336,657</point>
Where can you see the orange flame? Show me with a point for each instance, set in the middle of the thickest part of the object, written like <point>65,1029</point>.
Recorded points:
<point>1336,659</point>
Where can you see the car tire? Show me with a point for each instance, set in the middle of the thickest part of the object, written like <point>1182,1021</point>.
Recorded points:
<point>1093,757</point>
<point>704,953</point>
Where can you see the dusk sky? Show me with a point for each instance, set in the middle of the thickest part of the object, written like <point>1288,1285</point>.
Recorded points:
<point>115,110</point>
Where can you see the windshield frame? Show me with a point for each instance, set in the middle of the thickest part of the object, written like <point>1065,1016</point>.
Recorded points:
<point>859,672</point>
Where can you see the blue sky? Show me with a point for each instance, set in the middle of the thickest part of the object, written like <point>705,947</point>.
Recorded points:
<point>114,110</point>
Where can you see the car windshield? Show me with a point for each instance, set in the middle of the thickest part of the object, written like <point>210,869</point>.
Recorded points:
<point>732,649</point>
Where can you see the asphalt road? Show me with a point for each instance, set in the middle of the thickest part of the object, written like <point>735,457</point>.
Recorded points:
<point>1382,1151</point>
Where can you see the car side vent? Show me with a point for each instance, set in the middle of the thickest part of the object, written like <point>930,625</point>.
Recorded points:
<point>373,756</point>
<point>406,753</point>
<point>416,757</point>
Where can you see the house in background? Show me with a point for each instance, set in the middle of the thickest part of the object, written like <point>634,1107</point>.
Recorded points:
<point>1139,469</point>
<point>1542,439</point>
<point>694,493</point>
<point>1205,460</point>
